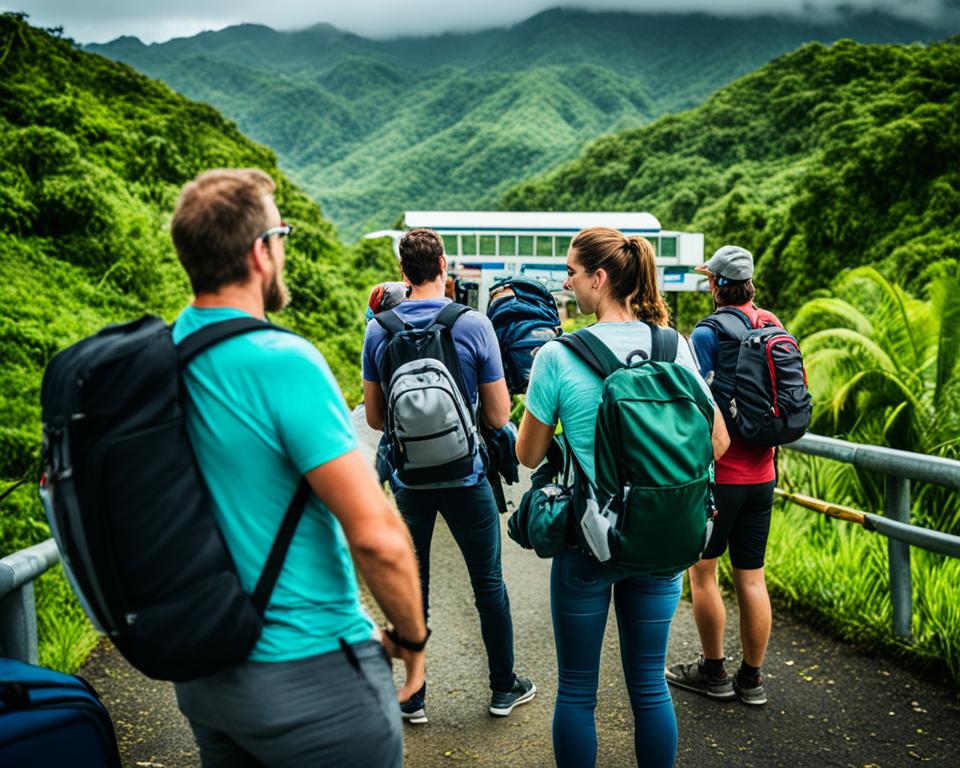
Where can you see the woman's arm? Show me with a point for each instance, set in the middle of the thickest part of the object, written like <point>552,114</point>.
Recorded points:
<point>533,441</point>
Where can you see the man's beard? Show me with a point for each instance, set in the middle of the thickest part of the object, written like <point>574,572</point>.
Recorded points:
<point>276,295</point>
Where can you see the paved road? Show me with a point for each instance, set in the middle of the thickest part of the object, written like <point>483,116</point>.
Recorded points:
<point>829,705</point>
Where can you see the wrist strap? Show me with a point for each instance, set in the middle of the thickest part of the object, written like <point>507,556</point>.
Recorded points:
<point>408,645</point>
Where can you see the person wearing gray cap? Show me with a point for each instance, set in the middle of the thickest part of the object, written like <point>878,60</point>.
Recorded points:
<point>745,477</point>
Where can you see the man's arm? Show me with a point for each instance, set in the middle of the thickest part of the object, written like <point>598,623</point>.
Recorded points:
<point>381,548</point>
<point>373,404</point>
<point>495,403</point>
<point>720,437</point>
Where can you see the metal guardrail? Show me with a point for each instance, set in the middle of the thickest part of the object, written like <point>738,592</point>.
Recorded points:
<point>18,611</point>
<point>899,468</point>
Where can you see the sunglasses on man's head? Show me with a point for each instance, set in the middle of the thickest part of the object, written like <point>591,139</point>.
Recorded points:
<point>283,231</point>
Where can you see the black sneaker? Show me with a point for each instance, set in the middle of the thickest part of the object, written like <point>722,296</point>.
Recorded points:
<point>502,703</point>
<point>692,677</point>
<point>750,691</point>
<point>412,710</point>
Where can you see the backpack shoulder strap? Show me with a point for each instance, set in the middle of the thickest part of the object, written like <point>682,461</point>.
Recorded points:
<point>663,344</point>
<point>390,322</point>
<point>212,334</point>
<point>592,351</point>
<point>731,322</point>
<point>278,552</point>
<point>449,315</point>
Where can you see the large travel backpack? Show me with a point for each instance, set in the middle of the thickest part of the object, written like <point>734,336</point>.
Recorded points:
<point>652,507</point>
<point>429,419</point>
<point>129,509</point>
<point>759,383</point>
<point>48,718</point>
<point>524,319</point>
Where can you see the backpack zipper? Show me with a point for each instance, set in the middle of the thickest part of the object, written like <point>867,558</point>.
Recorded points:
<point>771,343</point>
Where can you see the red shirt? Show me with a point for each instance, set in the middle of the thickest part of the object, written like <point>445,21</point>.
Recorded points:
<point>745,463</point>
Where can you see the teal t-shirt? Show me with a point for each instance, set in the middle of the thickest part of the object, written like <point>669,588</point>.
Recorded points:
<point>265,409</point>
<point>562,388</point>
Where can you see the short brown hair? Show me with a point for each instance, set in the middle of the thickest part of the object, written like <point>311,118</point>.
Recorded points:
<point>630,264</point>
<point>217,220</point>
<point>735,294</point>
<point>420,252</point>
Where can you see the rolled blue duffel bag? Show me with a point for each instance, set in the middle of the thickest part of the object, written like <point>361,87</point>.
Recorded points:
<point>51,719</point>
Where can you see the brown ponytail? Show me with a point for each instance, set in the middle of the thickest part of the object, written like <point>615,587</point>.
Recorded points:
<point>631,265</point>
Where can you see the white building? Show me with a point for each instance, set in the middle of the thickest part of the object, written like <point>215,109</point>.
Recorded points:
<point>482,246</point>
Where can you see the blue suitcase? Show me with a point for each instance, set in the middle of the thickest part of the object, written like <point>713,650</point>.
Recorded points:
<point>51,719</point>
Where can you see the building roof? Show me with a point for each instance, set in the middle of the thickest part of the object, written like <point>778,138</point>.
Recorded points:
<point>531,221</point>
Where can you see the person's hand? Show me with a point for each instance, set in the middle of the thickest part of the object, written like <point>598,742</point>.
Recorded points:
<point>414,663</point>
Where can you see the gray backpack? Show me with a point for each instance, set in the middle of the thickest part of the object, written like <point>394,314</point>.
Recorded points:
<point>430,424</point>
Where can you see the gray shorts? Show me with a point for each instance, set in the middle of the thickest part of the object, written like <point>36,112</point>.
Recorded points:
<point>319,711</point>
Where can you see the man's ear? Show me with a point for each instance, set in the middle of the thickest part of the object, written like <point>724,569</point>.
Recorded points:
<point>259,257</point>
<point>443,263</point>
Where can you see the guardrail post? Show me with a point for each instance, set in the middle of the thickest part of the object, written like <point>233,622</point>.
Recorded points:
<point>897,507</point>
<point>18,625</point>
<point>18,608</point>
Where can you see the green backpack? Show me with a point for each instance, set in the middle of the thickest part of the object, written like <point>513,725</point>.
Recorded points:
<point>651,510</point>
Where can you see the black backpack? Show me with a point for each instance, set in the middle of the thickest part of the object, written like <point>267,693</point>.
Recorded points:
<point>523,322</point>
<point>759,383</point>
<point>129,509</point>
<point>429,419</point>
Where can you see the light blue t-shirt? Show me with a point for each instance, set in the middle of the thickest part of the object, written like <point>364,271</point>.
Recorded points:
<point>563,388</point>
<point>264,410</point>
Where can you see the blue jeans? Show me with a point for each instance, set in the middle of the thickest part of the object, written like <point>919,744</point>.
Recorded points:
<point>471,515</point>
<point>579,602</point>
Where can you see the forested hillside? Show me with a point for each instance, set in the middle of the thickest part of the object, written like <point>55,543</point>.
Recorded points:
<point>827,158</point>
<point>92,156</point>
<point>370,128</point>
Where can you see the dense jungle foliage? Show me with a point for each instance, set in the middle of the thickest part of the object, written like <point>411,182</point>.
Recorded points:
<point>371,128</point>
<point>92,156</point>
<point>827,158</point>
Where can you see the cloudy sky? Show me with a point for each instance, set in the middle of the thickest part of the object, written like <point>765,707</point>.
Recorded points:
<point>158,20</point>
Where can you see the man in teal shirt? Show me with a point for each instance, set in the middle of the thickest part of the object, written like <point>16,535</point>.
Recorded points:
<point>264,411</point>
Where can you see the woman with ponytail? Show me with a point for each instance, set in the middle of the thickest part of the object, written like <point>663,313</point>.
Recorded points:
<point>615,277</point>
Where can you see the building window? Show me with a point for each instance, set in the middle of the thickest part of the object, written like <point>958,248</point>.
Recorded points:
<point>450,246</point>
<point>525,245</point>
<point>488,245</point>
<point>668,247</point>
<point>508,245</point>
<point>544,245</point>
<point>563,245</point>
<point>468,245</point>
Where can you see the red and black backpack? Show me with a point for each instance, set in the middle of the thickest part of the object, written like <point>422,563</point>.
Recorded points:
<point>759,383</point>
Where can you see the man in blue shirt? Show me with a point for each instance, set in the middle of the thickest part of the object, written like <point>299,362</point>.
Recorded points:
<point>264,411</point>
<point>467,504</point>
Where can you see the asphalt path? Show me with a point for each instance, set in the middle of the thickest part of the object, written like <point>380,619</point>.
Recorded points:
<point>830,704</point>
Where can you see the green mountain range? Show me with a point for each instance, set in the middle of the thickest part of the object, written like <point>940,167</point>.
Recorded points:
<point>827,158</point>
<point>371,128</point>
<point>92,157</point>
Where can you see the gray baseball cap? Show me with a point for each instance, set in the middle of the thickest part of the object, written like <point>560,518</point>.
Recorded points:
<point>731,262</point>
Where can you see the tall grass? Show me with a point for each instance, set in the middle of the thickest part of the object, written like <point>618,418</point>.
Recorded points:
<point>839,572</point>
<point>66,635</point>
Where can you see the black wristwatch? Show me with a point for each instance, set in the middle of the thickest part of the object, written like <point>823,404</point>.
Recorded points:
<point>407,645</point>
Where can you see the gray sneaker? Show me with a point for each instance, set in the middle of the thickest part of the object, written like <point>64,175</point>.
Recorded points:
<point>691,677</point>
<point>502,703</point>
<point>754,695</point>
